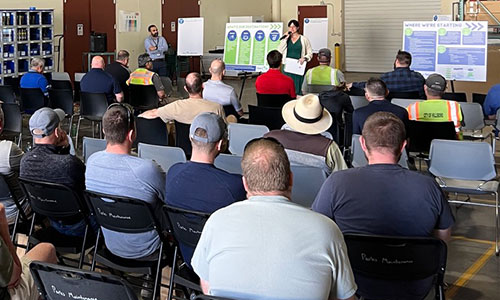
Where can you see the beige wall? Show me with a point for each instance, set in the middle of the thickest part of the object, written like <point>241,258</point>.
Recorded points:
<point>217,12</point>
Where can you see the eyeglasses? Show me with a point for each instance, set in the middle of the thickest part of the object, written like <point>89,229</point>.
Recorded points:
<point>129,110</point>
<point>271,139</point>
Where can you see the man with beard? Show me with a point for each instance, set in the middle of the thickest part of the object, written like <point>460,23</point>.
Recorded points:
<point>156,46</point>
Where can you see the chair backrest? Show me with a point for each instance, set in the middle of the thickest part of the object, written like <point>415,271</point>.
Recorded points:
<point>167,84</point>
<point>420,134</point>
<point>272,100</point>
<point>52,200</point>
<point>78,78</point>
<point>122,214</point>
<point>151,131</point>
<point>32,99</point>
<point>473,116</point>
<point>404,103</point>
<point>396,258</point>
<point>229,163</point>
<point>91,146</point>
<point>460,97</point>
<point>358,101</point>
<point>61,85</point>
<point>347,129</point>
<point>62,99</point>
<point>306,184</point>
<point>182,137</point>
<point>13,119</point>
<point>181,92</point>
<point>7,94</point>
<point>93,104</point>
<point>268,116</point>
<point>358,158</point>
<point>478,98</point>
<point>186,225</point>
<point>143,97</point>
<point>163,155</point>
<point>229,110</point>
<point>403,95</point>
<point>5,193</point>
<point>465,160</point>
<point>55,282</point>
<point>317,88</point>
<point>63,76</point>
<point>241,134</point>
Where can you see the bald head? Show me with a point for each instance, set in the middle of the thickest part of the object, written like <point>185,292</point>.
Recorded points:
<point>98,62</point>
<point>194,84</point>
<point>217,67</point>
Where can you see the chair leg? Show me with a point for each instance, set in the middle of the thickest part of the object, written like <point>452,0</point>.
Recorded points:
<point>20,141</point>
<point>496,224</point>
<point>172,274</point>
<point>92,267</point>
<point>69,125</point>
<point>158,272</point>
<point>82,252</point>
<point>77,131</point>
<point>13,236</point>
<point>93,129</point>
<point>99,125</point>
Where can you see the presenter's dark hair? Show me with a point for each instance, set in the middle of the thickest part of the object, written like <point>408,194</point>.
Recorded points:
<point>151,26</point>
<point>294,22</point>
<point>404,58</point>
<point>274,59</point>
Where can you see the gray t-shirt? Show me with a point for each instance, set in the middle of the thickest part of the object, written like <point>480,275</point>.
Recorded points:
<point>218,91</point>
<point>10,160</point>
<point>127,176</point>
<point>268,247</point>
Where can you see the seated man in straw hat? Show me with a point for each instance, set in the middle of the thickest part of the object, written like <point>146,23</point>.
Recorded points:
<point>304,136</point>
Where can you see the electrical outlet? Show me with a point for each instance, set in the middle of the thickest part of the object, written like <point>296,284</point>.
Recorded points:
<point>56,48</point>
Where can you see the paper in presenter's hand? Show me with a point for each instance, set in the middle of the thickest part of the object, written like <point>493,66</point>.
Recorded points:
<point>293,66</point>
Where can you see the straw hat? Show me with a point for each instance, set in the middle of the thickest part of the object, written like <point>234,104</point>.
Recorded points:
<point>307,115</point>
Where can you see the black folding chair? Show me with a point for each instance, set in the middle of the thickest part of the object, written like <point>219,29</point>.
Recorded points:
<point>63,99</point>
<point>460,97</point>
<point>92,108</point>
<point>186,227</point>
<point>272,100</point>
<point>13,122</point>
<point>182,138</point>
<point>32,100</point>
<point>56,282</point>
<point>7,194</point>
<point>478,98</point>
<point>229,110</point>
<point>128,216</point>
<point>420,134</point>
<point>403,95</point>
<point>61,85</point>
<point>57,201</point>
<point>7,94</point>
<point>397,259</point>
<point>347,137</point>
<point>143,97</point>
<point>151,131</point>
<point>269,116</point>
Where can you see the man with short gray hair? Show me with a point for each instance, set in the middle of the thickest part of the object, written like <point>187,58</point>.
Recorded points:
<point>260,236</point>
<point>34,78</point>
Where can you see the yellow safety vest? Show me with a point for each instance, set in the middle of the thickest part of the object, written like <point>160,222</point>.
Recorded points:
<point>141,76</point>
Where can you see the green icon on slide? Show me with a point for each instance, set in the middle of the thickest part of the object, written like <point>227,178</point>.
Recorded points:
<point>441,49</point>
<point>442,31</point>
<point>408,31</point>
<point>466,31</point>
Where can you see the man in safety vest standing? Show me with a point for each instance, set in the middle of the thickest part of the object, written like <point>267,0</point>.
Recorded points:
<point>323,74</point>
<point>145,76</point>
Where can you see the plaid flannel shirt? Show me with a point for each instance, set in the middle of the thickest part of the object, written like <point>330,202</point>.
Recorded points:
<point>401,80</point>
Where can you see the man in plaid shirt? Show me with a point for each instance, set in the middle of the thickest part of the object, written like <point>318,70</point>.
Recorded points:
<point>402,79</point>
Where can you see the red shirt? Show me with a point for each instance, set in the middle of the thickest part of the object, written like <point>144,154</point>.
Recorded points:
<point>275,82</point>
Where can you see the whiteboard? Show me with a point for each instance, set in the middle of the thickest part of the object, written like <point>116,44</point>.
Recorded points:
<point>190,37</point>
<point>316,30</point>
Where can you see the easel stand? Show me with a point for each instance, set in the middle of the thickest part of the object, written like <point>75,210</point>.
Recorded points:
<point>244,76</point>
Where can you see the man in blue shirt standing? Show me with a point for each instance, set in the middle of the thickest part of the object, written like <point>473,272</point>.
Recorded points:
<point>492,102</point>
<point>99,81</point>
<point>156,46</point>
<point>34,78</point>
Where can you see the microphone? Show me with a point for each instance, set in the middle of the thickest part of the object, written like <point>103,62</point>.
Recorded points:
<point>286,35</point>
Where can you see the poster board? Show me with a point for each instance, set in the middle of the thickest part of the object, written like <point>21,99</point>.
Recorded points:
<point>129,21</point>
<point>190,36</point>
<point>456,50</point>
<point>247,44</point>
<point>316,30</point>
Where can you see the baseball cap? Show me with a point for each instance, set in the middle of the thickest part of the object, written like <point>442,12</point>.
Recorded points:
<point>436,82</point>
<point>45,120</point>
<point>213,124</point>
<point>326,53</point>
<point>143,59</point>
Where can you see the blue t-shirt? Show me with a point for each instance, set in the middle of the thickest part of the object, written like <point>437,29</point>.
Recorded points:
<point>361,114</point>
<point>99,81</point>
<point>201,187</point>
<point>128,176</point>
<point>33,80</point>
<point>492,102</point>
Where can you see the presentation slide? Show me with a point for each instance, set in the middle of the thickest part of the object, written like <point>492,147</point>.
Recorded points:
<point>247,44</point>
<point>456,50</point>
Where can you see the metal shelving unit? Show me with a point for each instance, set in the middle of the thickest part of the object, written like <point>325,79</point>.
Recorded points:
<point>25,34</point>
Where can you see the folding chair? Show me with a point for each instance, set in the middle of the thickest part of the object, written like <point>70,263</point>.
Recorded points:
<point>182,137</point>
<point>61,81</point>
<point>404,103</point>
<point>307,182</point>
<point>317,88</point>
<point>56,282</point>
<point>240,134</point>
<point>272,100</point>
<point>229,163</point>
<point>91,146</point>
<point>358,101</point>
<point>7,94</point>
<point>420,135</point>
<point>92,108</point>
<point>151,131</point>
<point>403,95</point>
<point>78,78</point>
<point>465,167</point>
<point>419,258</point>
<point>359,158</point>
<point>459,96</point>
<point>56,201</point>
<point>13,122</point>
<point>478,98</point>
<point>63,99</point>
<point>474,127</point>
<point>164,156</point>
<point>186,227</point>
<point>6,195</point>
<point>128,216</point>
<point>32,100</point>
<point>268,116</point>
<point>143,97</point>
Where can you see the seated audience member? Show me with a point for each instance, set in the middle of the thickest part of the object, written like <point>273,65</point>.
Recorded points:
<point>198,185</point>
<point>323,74</point>
<point>273,81</point>
<point>260,236</point>
<point>375,93</point>
<point>135,178</point>
<point>304,137</point>
<point>145,76</point>
<point>336,102</point>
<point>185,110</point>
<point>16,282</point>
<point>217,91</point>
<point>384,198</point>
<point>434,109</point>
<point>402,79</point>
<point>10,160</point>
<point>492,102</point>
<point>120,71</point>
<point>34,78</point>
<point>50,161</point>
<point>98,81</point>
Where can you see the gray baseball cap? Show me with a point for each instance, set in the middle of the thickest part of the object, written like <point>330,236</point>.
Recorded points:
<point>326,53</point>
<point>143,59</point>
<point>436,82</point>
<point>45,120</point>
<point>213,124</point>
